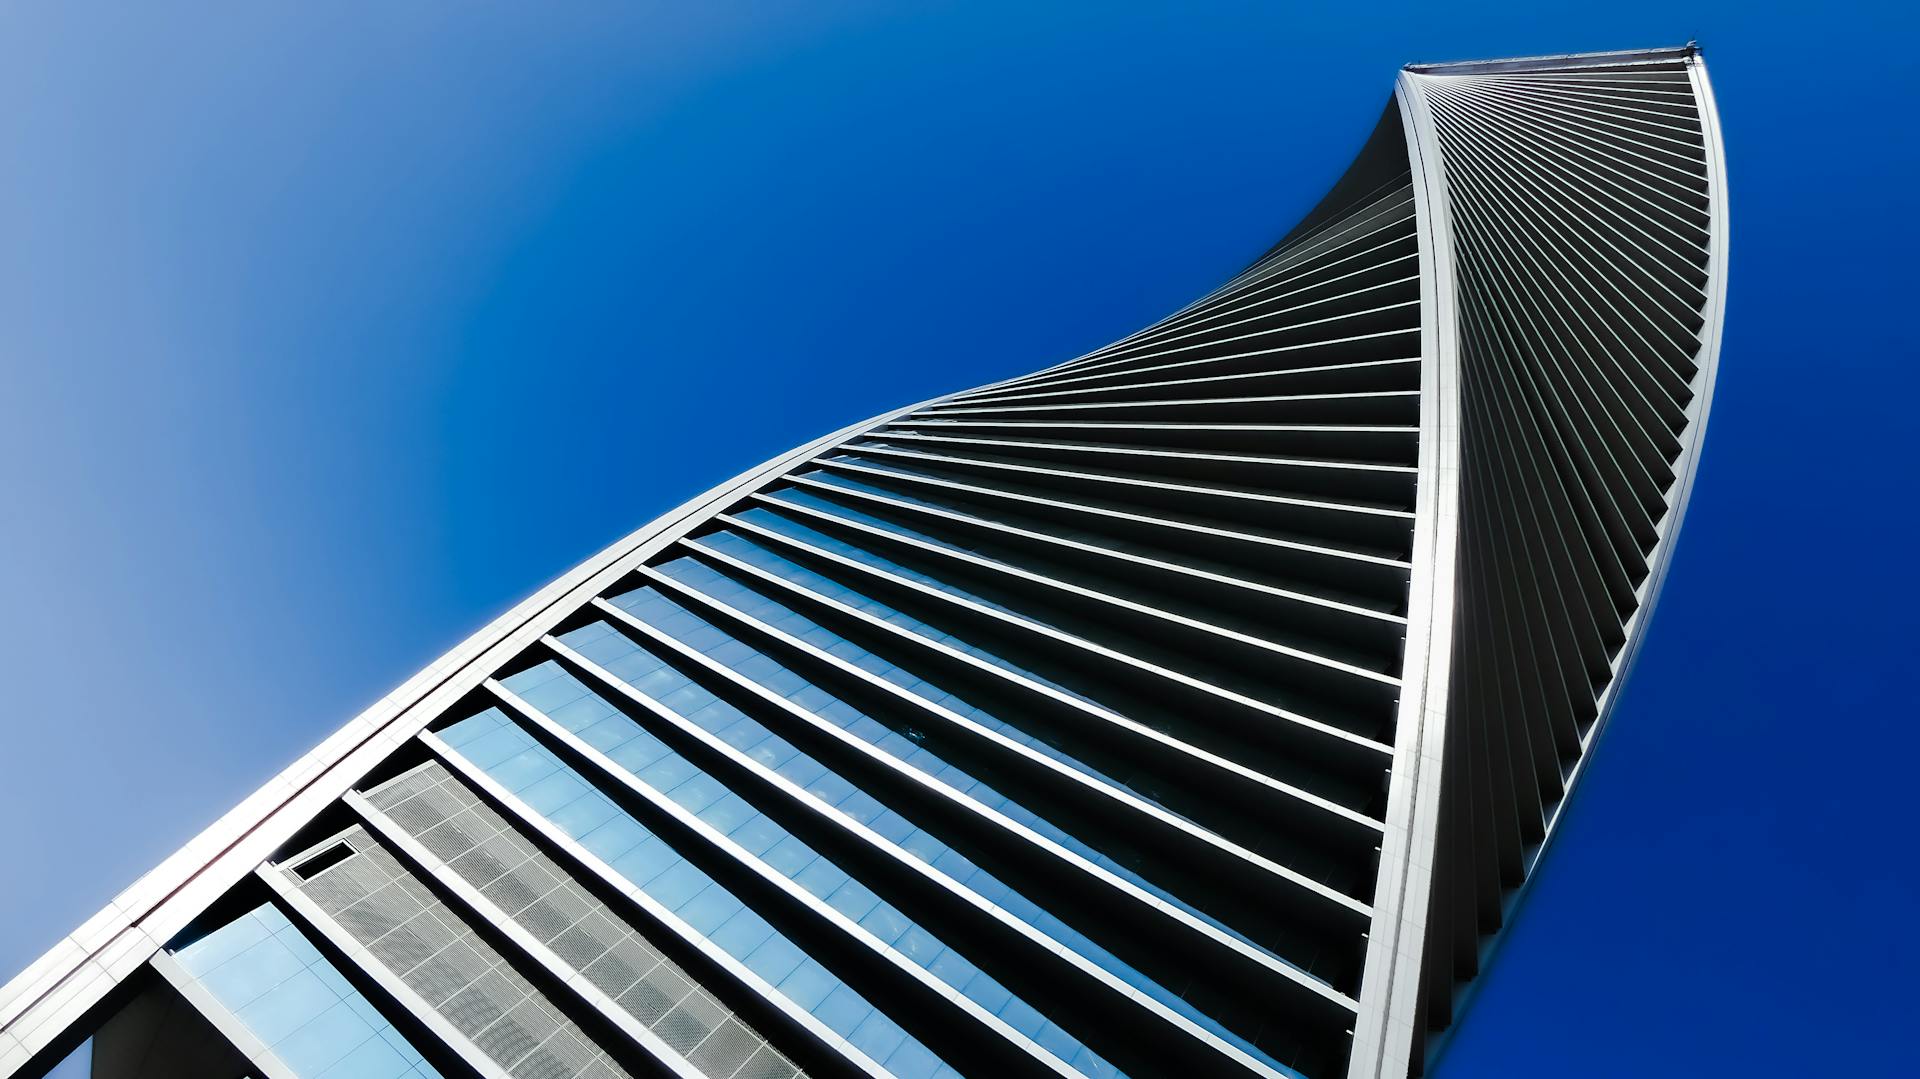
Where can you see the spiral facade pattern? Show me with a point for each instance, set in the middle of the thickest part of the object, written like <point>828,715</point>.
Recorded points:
<point>1198,706</point>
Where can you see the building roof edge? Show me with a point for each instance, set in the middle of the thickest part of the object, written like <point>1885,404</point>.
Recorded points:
<point>1562,61</point>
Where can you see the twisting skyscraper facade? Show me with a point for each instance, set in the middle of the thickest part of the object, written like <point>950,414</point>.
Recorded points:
<point>1194,707</point>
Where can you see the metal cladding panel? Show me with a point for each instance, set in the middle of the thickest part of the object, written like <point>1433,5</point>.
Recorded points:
<point>1199,705</point>
<point>516,881</point>
<point>419,939</point>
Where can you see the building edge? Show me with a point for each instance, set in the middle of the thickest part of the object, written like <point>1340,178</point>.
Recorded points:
<point>1389,1040</point>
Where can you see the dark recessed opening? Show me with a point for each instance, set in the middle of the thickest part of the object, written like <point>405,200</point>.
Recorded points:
<point>322,861</point>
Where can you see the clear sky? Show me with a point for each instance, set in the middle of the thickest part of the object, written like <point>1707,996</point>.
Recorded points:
<point>329,331</point>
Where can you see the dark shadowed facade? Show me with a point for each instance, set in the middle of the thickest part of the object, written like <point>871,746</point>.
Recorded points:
<point>1198,706</point>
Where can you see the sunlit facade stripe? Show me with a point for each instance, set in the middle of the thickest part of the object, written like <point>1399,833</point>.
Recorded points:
<point>1197,706</point>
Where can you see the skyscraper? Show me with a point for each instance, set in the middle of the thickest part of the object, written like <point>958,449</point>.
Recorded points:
<point>1198,706</point>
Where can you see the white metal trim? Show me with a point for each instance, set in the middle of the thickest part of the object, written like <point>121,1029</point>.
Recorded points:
<point>1390,981</point>
<point>223,1019</point>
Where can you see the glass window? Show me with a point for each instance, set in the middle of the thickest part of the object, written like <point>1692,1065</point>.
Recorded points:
<point>264,971</point>
<point>855,901</point>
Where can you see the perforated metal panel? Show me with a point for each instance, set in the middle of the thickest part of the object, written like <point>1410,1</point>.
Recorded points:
<point>420,939</point>
<point>537,893</point>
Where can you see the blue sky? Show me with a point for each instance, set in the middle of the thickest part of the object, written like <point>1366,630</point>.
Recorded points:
<point>328,332</point>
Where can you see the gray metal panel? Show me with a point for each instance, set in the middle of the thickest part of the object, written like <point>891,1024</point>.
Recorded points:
<point>497,1017</point>
<point>650,908</point>
<point>440,824</point>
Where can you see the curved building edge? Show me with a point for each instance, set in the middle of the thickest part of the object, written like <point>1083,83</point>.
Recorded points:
<point>1391,1040</point>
